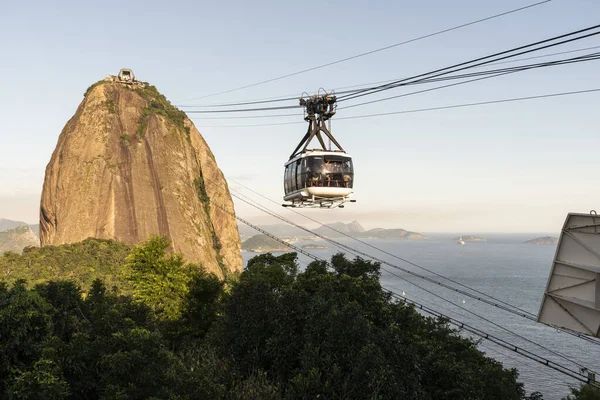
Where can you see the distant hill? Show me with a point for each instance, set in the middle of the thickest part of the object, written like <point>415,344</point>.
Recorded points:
<point>6,224</point>
<point>356,230</point>
<point>340,229</point>
<point>545,240</point>
<point>36,229</point>
<point>350,228</point>
<point>245,231</point>
<point>314,246</point>
<point>393,234</point>
<point>262,243</point>
<point>279,230</point>
<point>471,238</point>
<point>17,239</point>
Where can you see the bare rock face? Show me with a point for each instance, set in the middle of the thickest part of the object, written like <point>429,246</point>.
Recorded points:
<point>129,165</point>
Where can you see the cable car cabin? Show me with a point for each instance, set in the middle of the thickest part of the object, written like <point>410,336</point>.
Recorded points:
<point>319,178</point>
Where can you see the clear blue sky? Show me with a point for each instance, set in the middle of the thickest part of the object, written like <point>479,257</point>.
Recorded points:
<point>516,167</point>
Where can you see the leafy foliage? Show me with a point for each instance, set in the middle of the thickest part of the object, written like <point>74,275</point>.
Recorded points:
<point>584,392</point>
<point>160,281</point>
<point>83,262</point>
<point>205,200</point>
<point>125,140</point>
<point>159,105</point>
<point>330,331</point>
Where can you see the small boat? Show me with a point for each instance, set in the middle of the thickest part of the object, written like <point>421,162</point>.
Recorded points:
<point>461,241</point>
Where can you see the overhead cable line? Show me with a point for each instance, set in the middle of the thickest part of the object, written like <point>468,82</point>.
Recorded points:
<point>516,310</point>
<point>556,353</point>
<point>383,251</point>
<point>486,75</point>
<point>357,87</point>
<point>491,350</point>
<point>482,60</point>
<point>375,50</point>
<point>418,110</point>
<point>441,76</point>
<point>462,326</point>
<point>500,342</point>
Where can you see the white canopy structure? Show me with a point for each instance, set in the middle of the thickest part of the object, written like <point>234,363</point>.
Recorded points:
<point>572,296</point>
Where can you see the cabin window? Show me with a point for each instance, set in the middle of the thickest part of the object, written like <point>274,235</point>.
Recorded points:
<point>297,173</point>
<point>328,171</point>
<point>286,179</point>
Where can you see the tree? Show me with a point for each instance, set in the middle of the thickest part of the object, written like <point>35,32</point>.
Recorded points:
<point>160,281</point>
<point>330,331</point>
<point>584,392</point>
<point>43,381</point>
<point>25,326</point>
<point>333,332</point>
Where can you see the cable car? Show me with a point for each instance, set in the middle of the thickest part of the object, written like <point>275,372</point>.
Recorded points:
<point>319,177</point>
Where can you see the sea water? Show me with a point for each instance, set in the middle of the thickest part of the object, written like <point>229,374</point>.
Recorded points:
<point>503,267</point>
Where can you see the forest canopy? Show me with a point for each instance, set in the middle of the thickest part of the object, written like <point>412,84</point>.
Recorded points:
<point>151,326</point>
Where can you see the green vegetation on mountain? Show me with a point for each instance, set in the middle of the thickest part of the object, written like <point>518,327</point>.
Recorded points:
<point>159,105</point>
<point>81,262</point>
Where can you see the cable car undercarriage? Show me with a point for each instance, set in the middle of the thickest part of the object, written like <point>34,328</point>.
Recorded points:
<point>320,177</point>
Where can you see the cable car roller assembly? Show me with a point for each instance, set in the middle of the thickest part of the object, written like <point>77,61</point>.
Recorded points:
<point>319,177</point>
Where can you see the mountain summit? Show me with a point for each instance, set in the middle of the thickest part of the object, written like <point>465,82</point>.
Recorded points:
<point>129,165</point>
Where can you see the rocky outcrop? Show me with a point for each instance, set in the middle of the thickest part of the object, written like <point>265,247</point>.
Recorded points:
<point>17,239</point>
<point>129,165</point>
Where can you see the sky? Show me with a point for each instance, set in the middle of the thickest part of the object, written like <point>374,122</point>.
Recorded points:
<point>513,167</point>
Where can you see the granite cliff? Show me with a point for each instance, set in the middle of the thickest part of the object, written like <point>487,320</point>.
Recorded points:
<point>129,165</point>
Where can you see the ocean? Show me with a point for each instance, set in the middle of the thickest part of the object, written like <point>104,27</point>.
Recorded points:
<point>503,267</point>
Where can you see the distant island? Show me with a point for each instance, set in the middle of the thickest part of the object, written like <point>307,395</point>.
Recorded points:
<point>471,238</point>
<point>544,240</point>
<point>314,246</point>
<point>262,244</point>
<point>355,229</point>
<point>338,230</point>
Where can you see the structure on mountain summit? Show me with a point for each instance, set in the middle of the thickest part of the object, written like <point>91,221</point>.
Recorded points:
<point>125,76</point>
